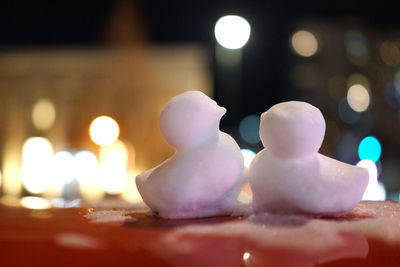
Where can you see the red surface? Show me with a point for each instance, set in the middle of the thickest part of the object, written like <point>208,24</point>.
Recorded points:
<point>31,238</point>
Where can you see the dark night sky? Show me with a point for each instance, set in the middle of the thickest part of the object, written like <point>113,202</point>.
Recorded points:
<point>26,22</point>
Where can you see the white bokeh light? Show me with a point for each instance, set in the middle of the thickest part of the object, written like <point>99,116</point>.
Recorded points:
<point>304,43</point>
<point>380,192</point>
<point>35,203</point>
<point>375,190</point>
<point>131,193</point>
<point>86,167</point>
<point>232,31</point>
<point>104,130</point>
<point>113,170</point>
<point>37,155</point>
<point>248,156</point>
<point>43,114</point>
<point>63,167</point>
<point>358,97</point>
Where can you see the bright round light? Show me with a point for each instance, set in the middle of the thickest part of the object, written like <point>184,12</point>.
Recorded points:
<point>104,130</point>
<point>63,167</point>
<point>37,147</point>
<point>248,156</point>
<point>43,115</point>
<point>232,32</point>
<point>86,167</point>
<point>304,43</point>
<point>37,155</point>
<point>358,98</point>
<point>370,148</point>
<point>35,203</point>
<point>372,186</point>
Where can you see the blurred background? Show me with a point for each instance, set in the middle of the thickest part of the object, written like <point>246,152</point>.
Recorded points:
<point>82,84</point>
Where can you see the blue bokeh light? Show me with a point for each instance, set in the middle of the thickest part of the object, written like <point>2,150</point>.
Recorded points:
<point>249,129</point>
<point>370,148</point>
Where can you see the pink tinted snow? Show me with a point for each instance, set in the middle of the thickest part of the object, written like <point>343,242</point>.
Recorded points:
<point>284,240</point>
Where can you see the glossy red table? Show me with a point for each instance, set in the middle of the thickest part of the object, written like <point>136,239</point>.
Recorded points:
<point>370,236</point>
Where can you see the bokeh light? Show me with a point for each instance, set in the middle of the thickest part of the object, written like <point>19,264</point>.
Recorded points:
<point>232,31</point>
<point>63,167</point>
<point>370,191</point>
<point>35,203</point>
<point>43,114</point>
<point>92,191</point>
<point>248,156</point>
<point>358,98</point>
<point>131,193</point>
<point>249,129</point>
<point>87,172</point>
<point>11,201</point>
<point>116,153</point>
<point>104,130</point>
<point>304,43</point>
<point>375,193</point>
<point>113,180</point>
<point>370,148</point>
<point>86,167</point>
<point>63,203</point>
<point>113,170</point>
<point>11,180</point>
<point>380,191</point>
<point>37,155</point>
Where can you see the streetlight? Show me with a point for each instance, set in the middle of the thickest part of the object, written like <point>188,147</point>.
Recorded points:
<point>232,33</point>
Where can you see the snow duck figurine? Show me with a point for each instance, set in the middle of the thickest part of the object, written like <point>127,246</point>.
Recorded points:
<point>205,175</point>
<point>290,176</point>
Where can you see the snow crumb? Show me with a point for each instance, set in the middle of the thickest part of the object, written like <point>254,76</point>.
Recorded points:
<point>108,216</point>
